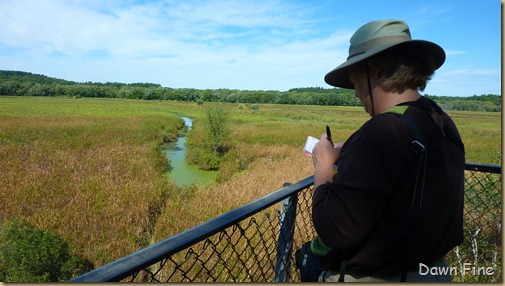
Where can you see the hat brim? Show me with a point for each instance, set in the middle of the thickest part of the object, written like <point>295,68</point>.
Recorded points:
<point>339,77</point>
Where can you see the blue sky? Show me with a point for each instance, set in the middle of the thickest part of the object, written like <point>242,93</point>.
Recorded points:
<point>236,44</point>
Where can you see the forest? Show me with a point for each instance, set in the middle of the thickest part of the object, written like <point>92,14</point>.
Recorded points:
<point>18,83</point>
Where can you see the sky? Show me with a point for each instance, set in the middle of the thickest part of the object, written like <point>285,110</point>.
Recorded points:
<point>237,44</point>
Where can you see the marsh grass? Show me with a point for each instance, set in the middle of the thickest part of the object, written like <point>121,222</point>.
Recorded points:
<point>92,179</point>
<point>92,169</point>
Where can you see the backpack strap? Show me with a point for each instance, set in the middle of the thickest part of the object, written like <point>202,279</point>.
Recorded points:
<point>419,147</point>
<point>435,112</point>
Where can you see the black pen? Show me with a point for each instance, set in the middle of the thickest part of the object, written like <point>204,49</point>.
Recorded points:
<point>328,134</point>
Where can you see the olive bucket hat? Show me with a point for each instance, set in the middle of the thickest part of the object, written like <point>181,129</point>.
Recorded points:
<point>375,37</point>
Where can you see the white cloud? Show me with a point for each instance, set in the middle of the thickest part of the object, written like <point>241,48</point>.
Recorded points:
<point>217,42</point>
<point>471,72</point>
<point>260,44</point>
<point>71,27</point>
<point>451,53</point>
<point>466,82</point>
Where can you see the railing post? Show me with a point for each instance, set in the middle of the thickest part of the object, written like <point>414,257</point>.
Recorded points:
<point>285,238</point>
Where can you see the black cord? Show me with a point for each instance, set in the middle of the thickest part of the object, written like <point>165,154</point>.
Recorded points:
<point>370,88</point>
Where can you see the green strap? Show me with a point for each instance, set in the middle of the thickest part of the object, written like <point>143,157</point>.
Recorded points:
<point>398,109</point>
<point>318,247</point>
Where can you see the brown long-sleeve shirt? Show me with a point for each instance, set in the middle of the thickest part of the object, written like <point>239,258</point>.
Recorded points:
<point>362,214</point>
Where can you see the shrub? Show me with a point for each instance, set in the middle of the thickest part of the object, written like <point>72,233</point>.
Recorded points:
<point>28,254</point>
<point>207,145</point>
<point>216,127</point>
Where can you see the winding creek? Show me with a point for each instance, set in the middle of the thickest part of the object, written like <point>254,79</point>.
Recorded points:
<point>182,173</point>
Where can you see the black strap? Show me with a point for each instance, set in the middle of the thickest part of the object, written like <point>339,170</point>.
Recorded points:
<point>419,147</point>
<point>343,266</point>
<point>431,107</point>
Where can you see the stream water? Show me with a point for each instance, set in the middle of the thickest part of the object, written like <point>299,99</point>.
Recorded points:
<point>184,174</point>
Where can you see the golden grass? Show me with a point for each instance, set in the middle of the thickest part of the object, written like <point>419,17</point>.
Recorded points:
<point>84,195</point>
<point>93,180</point>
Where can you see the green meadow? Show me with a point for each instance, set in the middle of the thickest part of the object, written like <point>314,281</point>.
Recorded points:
<point>93,171</point>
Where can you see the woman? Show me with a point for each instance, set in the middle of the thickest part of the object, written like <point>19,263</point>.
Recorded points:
<point>363,212</point>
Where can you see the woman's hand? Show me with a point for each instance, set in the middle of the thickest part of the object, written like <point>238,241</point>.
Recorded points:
<point>325,156</point>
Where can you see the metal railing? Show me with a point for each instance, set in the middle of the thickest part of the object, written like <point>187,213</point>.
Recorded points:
<point>256,242</point>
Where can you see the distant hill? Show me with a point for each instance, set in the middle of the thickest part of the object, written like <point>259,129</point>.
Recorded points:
<point>23,77</point>
<point>19,83</point>
<point>27,77</point>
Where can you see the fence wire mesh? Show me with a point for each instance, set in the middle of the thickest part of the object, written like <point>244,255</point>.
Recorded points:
<point>261,247</point>
<point>479,257</point>
<point>252,250</point>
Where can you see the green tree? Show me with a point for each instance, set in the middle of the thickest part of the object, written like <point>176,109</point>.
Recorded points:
<point>209,142</point>
<point>135,93</point>
<point>216,127</point>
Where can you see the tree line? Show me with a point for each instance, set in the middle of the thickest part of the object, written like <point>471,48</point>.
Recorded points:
<point>17,83</point>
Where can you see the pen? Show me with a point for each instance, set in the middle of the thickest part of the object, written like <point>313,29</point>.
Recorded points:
<point>328,134</point>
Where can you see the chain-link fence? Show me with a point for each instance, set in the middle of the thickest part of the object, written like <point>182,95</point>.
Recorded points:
<point>256,242</point>
<point>479,258</point>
